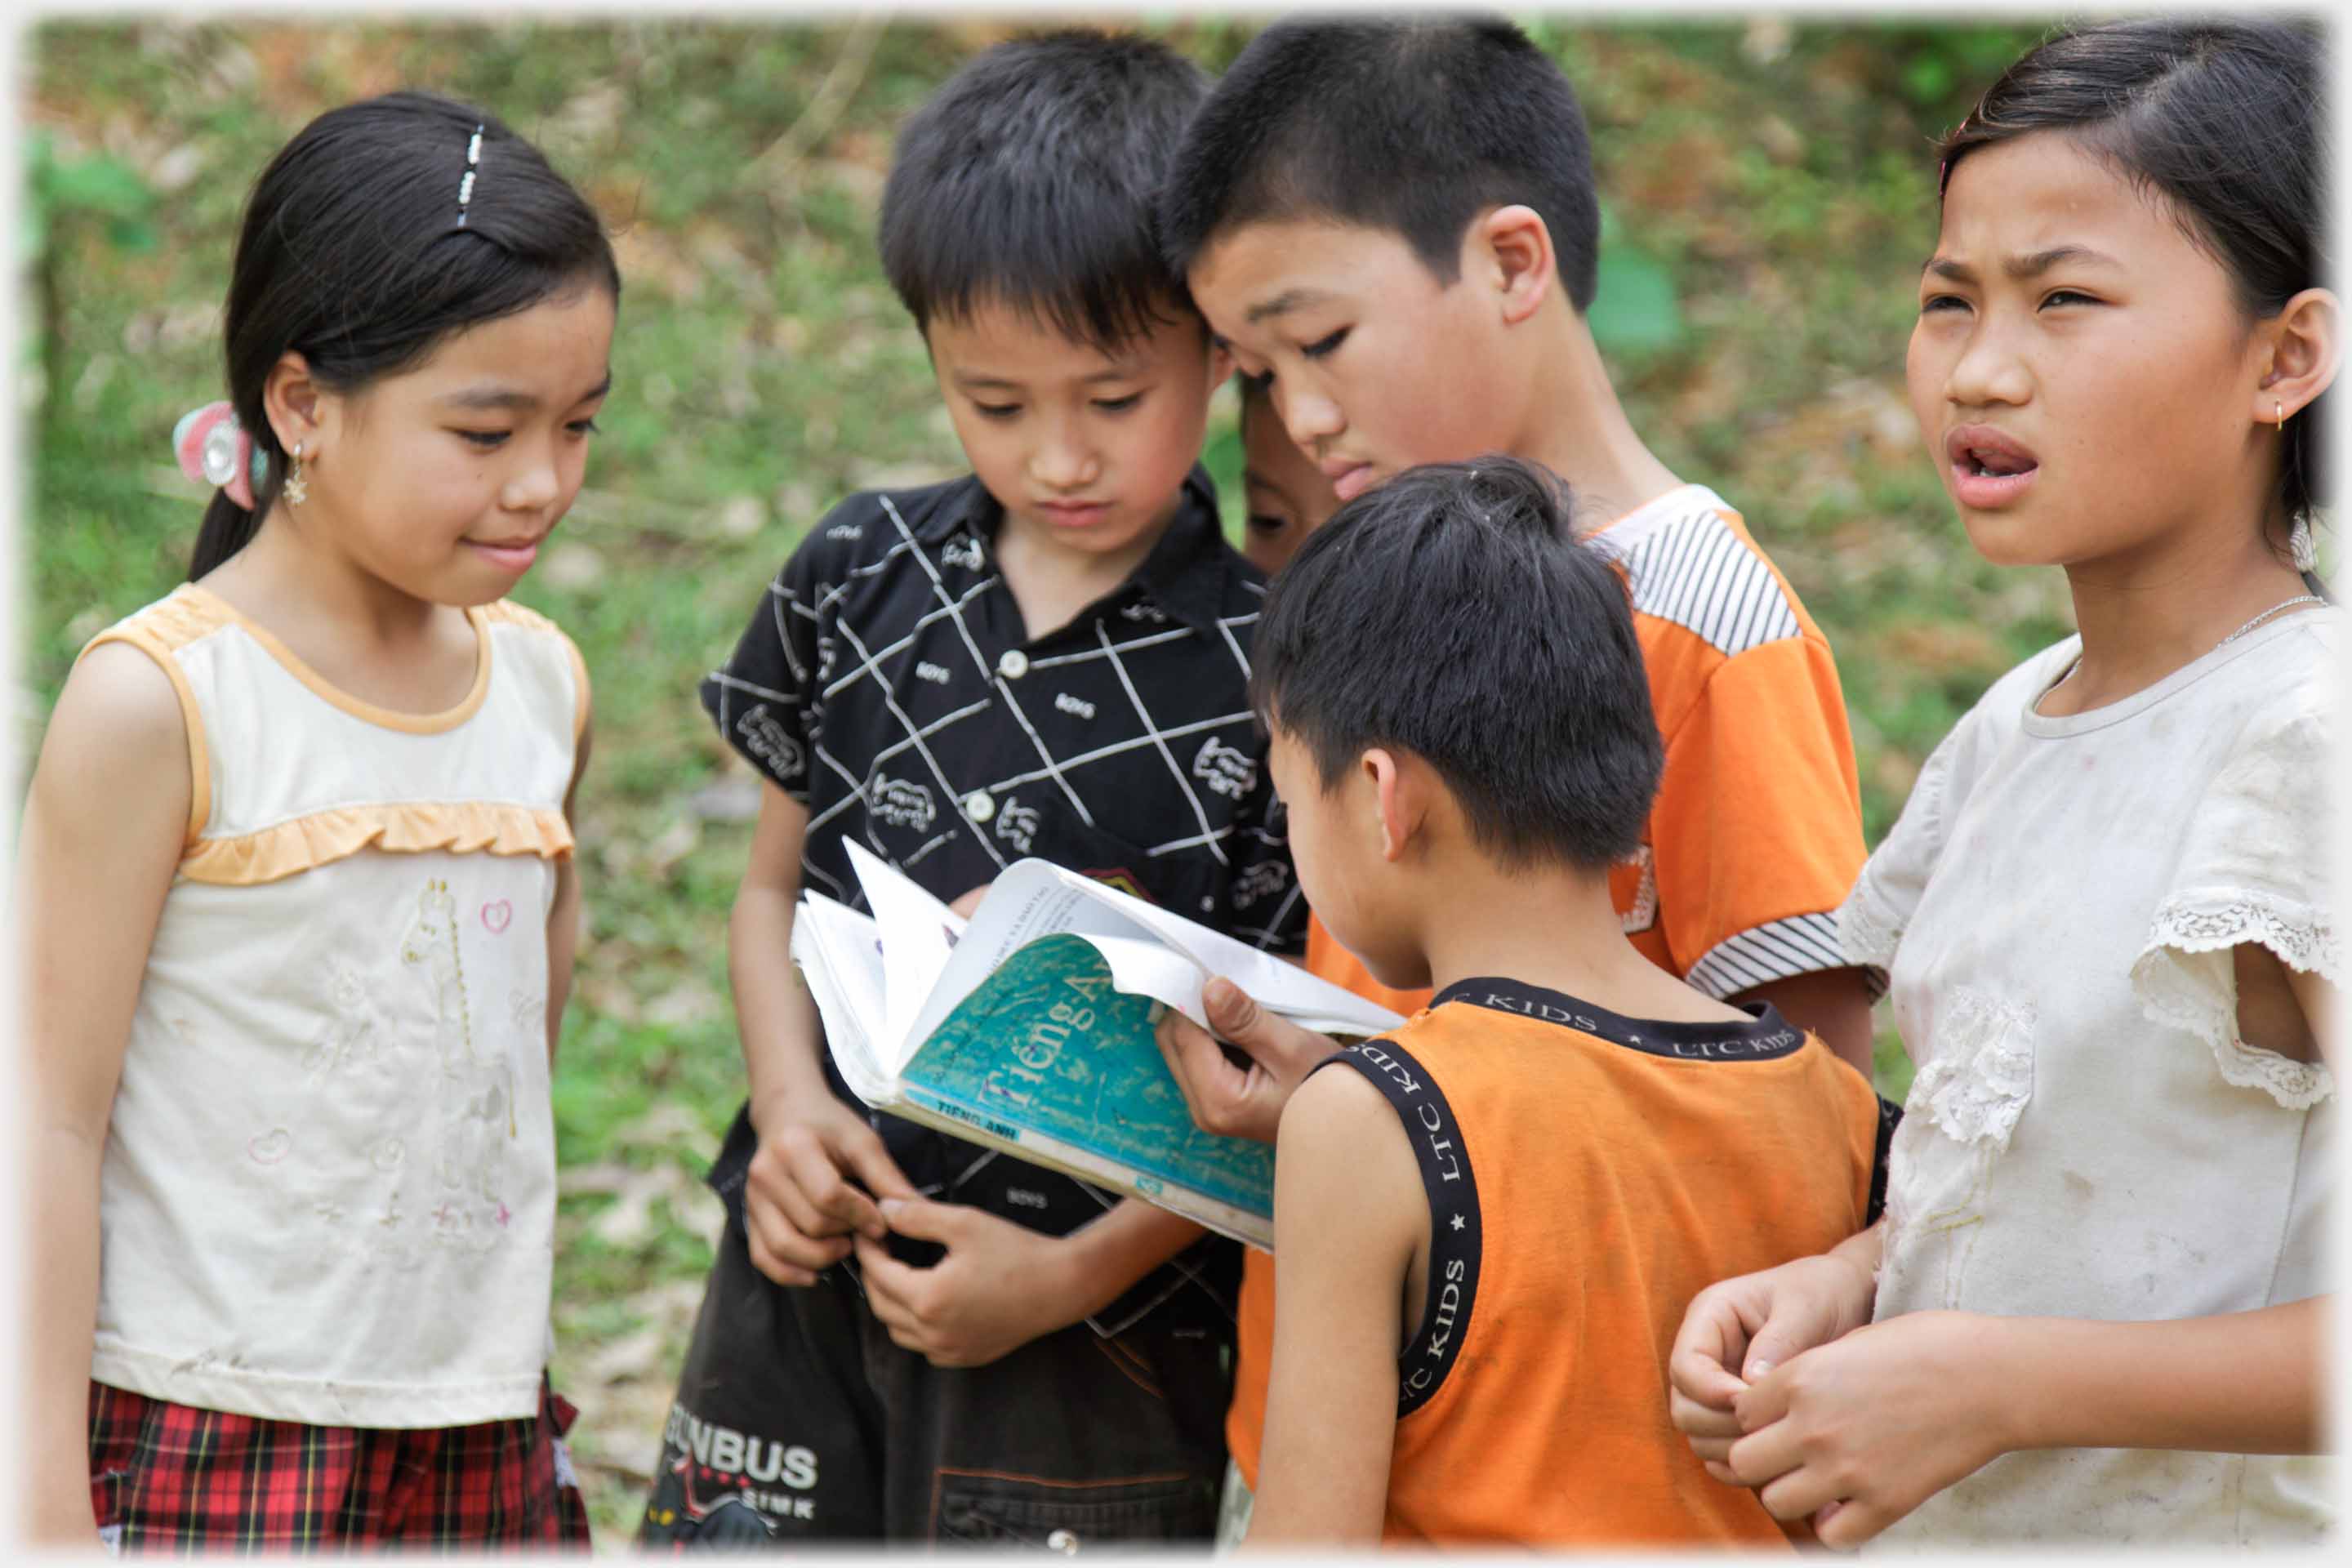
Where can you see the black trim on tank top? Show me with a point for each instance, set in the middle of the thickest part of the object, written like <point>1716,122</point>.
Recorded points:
<point>1890,1117</point>
<point>1455,1235</point>
<point>1765,1037</point>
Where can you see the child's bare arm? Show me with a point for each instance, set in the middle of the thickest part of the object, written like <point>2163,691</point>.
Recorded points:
<point>799,1202</point>
<point>1834,1003</point>
<point>1350,1218</point>
<point>104,824</point>
<point>1871,1425</point>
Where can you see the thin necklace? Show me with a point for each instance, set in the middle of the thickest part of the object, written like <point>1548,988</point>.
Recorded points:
<point>2266,614</point>
<point>2283,605</point>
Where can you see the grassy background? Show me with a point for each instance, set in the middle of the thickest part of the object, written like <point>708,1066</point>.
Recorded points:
<point>1770,191</point>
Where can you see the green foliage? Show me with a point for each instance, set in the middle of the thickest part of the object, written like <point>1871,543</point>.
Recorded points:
<point>1635,311</point>
<point>98,188</point>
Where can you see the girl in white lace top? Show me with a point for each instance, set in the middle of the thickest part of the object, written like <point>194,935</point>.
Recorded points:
<point>2098,1303</point>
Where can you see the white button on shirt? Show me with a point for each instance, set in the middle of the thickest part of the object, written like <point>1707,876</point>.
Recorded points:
<point>1011,664</point>
<point>978,806</point>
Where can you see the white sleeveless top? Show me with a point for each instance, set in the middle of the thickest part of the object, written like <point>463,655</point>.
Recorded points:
<point>327,1193</point>
<point>2087,1136</point>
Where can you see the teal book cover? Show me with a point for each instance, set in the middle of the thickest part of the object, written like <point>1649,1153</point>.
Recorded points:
<point>1045,1042</point>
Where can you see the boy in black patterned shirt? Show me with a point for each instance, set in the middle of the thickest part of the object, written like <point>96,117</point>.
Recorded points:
<point>906,1337</point>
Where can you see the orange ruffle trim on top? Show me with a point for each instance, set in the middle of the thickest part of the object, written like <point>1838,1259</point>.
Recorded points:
<point>464,827</point>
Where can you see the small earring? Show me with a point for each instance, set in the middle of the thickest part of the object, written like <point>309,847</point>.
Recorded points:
<point>297,492</point>
<point>2278,412</point>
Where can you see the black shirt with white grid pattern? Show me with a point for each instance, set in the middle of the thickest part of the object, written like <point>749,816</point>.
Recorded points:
<point>887,682</point>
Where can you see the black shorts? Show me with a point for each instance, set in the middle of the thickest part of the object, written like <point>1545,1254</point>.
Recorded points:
<point>798,1419</point>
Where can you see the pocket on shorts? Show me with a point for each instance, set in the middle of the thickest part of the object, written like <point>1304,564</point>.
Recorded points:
<point>997,1510</point>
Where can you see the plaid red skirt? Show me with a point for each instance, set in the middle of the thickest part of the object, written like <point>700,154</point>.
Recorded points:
<point>167,1477</point>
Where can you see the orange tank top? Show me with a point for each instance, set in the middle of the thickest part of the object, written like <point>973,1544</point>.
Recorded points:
<point>1587,1176</point>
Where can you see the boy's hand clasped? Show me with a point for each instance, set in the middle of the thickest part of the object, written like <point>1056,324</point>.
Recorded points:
<point>803,1198</point>
<point>999,1286</point>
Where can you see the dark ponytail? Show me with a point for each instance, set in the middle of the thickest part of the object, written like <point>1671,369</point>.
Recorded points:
<point>355,254</point>
<point>2226,119</point>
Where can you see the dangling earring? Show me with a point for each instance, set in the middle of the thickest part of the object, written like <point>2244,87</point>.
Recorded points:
<point>297,492</point>
<point>2278,412</point>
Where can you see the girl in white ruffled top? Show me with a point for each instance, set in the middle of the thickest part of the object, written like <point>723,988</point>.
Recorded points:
<point>2094,1310</point>
<point>296,892</point>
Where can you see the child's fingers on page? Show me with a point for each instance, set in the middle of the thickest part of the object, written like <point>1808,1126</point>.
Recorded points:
<point>1174,1049</point>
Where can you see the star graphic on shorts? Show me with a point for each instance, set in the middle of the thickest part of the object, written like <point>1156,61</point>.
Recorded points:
<point>1459,1222</point>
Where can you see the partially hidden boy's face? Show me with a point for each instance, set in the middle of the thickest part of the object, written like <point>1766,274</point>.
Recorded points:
<point>1085,451</point>
<point>1336,843</point>
<point>1378,366</point>
<point>1287,495</point>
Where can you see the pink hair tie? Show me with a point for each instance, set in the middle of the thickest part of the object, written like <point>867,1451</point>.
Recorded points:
<point>214,450</point>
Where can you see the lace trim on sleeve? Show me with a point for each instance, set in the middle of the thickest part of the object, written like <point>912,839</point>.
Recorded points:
<point>2183,978</point>
<point>1867,930</point>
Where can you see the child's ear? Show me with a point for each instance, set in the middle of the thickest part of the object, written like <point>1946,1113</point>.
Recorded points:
<point>1517,248</point>
<point>2307,346</point>
<point>1401,795</point>
<point>294,402</point>
<point>1221,359</point>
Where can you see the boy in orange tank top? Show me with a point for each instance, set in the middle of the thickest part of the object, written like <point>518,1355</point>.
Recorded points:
<point>1491,1221</point>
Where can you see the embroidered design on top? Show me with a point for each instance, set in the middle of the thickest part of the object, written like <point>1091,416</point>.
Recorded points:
<point>1267,876</point>
<point>476,1089</point>
<point>1145,610</point>
<point>937,674</point>
<point>964,551</point>
<point>1017,823</point>
<point>901,803</point>
<point>497,915</point>
<point>1643,911</point>
<point>766,740</point>
<point>1226,770</point>
<point>269,1148</point>
<point>1072,705</point>
<point>348,1039</point>
<point>1971,1093</point>
<point>845,531</point>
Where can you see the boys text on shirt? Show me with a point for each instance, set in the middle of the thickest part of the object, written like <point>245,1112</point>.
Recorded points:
<point>1563,1251</point>
<point>2086,1135</point>
<point>328,1193</point>
<point>887,682</point>
<point>1755,834</point>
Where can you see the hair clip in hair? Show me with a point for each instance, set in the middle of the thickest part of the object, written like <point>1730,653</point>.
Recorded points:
<point>466,185</point>
<point>214,450</point>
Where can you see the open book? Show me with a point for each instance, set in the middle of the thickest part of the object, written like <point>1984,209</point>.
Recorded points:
<point>1030,1029</point>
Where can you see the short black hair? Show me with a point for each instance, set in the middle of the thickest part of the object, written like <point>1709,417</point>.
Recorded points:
<point>2226,119</point>
<point>1031,180</point>
<point>1414,126</point>
<point>1452,613</point>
